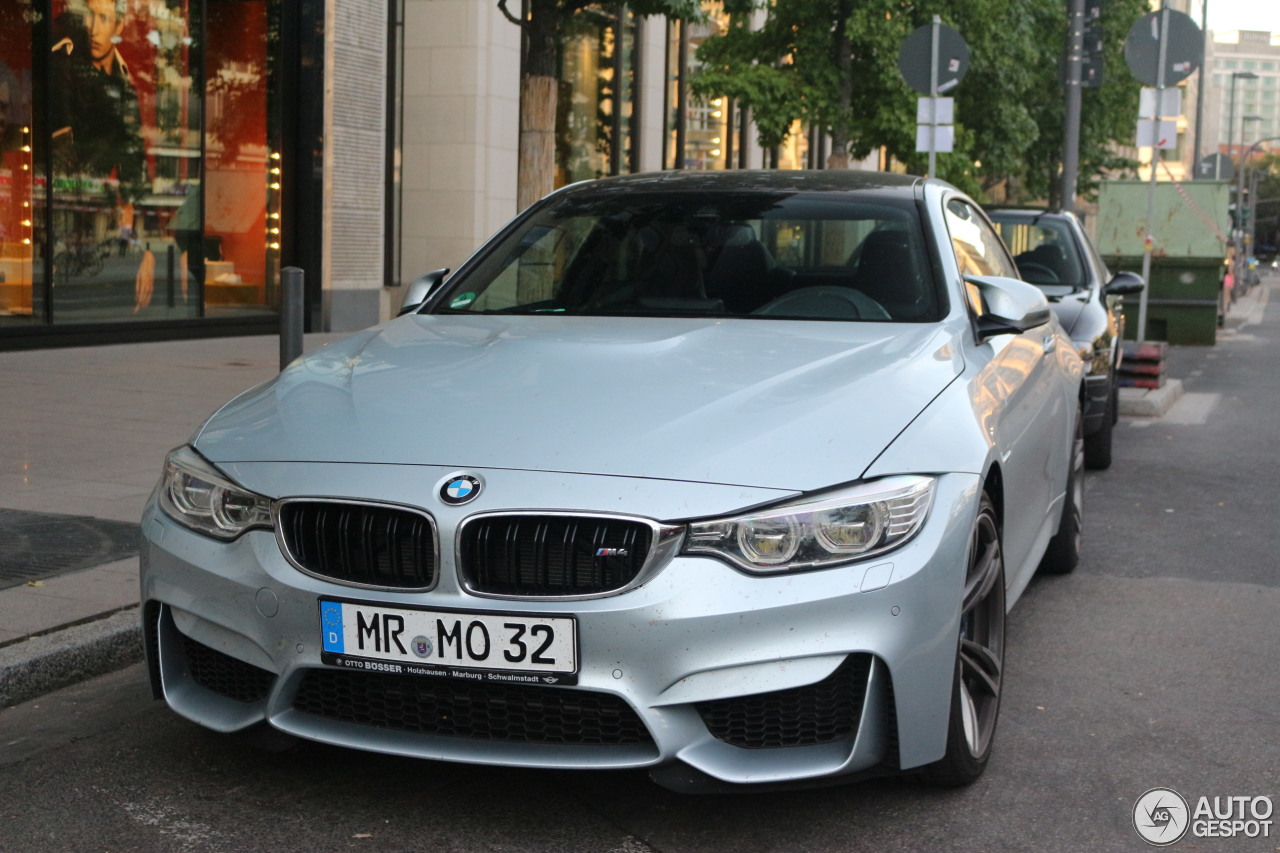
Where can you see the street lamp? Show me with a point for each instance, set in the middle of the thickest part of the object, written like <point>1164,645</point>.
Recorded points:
<point>1237,236</point>
<point>1231,117</point>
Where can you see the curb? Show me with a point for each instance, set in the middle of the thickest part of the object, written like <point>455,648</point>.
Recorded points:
<point>42,664</point>
<point>1151,403</point>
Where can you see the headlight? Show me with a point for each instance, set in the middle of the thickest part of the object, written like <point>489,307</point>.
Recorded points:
<point>859,522</point>
<point>196,495</point>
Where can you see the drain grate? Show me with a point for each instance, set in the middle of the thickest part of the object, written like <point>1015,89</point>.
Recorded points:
<point>37,545</point>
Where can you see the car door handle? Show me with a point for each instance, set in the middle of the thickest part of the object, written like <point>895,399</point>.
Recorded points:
<point>1050,344</point>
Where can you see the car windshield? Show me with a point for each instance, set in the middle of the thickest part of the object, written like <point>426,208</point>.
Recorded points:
<point>1044,252</point>
<point>732,254</point>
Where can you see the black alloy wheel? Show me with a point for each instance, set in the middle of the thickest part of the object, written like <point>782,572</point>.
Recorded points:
<point>975,701</point>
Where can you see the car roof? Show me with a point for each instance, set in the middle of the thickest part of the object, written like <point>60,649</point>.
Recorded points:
<point>763,180</point>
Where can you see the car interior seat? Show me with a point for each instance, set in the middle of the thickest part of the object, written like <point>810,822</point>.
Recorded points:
<point>742,272</point>
<point>1047,257</point>
<point>887,269</point>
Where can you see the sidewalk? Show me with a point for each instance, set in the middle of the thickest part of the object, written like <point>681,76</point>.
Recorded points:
<point>83,432</point>
<point>83,435</point>
<point>1245,311</point>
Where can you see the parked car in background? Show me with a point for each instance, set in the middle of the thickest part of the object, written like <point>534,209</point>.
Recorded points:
<point>1053,252</point>
<point>731,476</point>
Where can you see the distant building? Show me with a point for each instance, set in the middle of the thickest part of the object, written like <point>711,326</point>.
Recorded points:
<point>1257,99</point>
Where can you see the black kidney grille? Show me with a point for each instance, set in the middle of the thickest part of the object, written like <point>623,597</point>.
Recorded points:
<point>552,555</point>
<point>826,712</point>
<point>479,710</point>
<point>366,544</point>
<point>226,675</point>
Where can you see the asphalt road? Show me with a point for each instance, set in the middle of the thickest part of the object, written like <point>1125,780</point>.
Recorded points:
<point>1156,664</point>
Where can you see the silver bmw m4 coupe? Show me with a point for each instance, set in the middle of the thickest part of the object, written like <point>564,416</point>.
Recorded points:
<point>729,476</point>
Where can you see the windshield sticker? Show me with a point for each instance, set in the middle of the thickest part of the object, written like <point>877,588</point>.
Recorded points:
<point>462,300</point>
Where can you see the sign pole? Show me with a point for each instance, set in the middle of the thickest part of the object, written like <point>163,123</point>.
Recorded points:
<point>1071,137</point>
<point>933,98</point>
<point>1157,111</point>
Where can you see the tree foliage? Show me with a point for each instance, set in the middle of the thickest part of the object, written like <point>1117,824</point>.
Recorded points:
<point>1266,202</point>
<point>1108,113</point>
<point>1009,108</point>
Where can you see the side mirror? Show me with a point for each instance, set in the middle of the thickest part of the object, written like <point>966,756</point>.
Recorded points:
<point>1012,306</point>
<point>419,290</point>
<point>1124,284</point>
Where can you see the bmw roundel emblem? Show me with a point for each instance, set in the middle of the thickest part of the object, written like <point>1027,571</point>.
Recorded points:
<point>460,489</point>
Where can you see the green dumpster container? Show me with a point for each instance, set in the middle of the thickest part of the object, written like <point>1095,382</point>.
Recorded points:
<point>1189,245</point>
<point>1182,302</point>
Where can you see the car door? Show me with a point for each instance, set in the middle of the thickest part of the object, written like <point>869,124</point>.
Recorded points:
<point>1028,422</point>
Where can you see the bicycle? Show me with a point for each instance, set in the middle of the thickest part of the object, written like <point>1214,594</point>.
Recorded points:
<point>77,260</point>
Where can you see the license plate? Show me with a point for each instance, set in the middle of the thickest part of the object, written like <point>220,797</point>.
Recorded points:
<point>481,646</point>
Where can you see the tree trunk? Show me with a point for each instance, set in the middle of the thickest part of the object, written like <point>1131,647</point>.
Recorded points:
<point>539,90</point>
<point>537,139</point>
<point>839,158</point>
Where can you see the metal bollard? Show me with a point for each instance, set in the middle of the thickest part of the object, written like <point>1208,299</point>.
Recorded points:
<point>169,267</point>
<point>291,304</point>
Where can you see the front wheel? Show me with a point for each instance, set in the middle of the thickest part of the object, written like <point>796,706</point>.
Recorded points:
<point>979,676</point>
<point>1063,553</point>
<point>1097,447</point>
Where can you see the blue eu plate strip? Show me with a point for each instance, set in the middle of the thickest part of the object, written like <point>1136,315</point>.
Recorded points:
<point>331,625</point>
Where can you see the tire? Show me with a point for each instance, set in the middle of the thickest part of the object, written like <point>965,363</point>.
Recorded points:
<point>1063,553</point>
<point>979,674</point>
<point>92,264</point>
<point>63,263</point>
<point>1097,447</point>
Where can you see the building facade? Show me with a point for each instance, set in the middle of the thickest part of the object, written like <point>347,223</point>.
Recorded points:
<point>1251,60</point>
<point>164,160</point>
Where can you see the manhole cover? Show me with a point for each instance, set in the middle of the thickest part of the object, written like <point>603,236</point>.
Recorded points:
<point>36,545</point>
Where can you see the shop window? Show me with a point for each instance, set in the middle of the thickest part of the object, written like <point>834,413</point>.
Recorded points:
<point>243,170</point>
<point>161,150</point>
<point>596,104</point>
<point>18,167</point>
<point>122,112</point>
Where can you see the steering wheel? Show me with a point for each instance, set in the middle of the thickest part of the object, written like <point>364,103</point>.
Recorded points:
<point>825,302</point>
<point>1038,273</point>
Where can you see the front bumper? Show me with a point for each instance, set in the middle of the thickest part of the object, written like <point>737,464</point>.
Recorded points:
<point>701,673</point>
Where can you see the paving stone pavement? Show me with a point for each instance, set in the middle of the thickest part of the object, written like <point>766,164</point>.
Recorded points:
<point>83,434</point>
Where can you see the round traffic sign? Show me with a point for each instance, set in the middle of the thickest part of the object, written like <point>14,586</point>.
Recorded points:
<point>1215,167</point>
<point>1184,48</point>
<point>952,62</point>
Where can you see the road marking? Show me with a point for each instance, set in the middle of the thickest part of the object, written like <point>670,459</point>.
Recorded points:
<point>1192,408</point>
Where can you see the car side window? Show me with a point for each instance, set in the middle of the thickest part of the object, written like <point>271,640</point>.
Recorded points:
<point>977,249</point>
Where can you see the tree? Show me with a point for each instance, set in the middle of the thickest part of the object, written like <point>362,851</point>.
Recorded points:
<point>543,25</point>
<point>1266,203</point>
<point>834,65</point>
<point>1108,113</point>
<point>794,66</point>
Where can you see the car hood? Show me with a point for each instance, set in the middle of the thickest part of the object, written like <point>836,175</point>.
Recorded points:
<point>1069,308</point>
<point>778,404</point>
